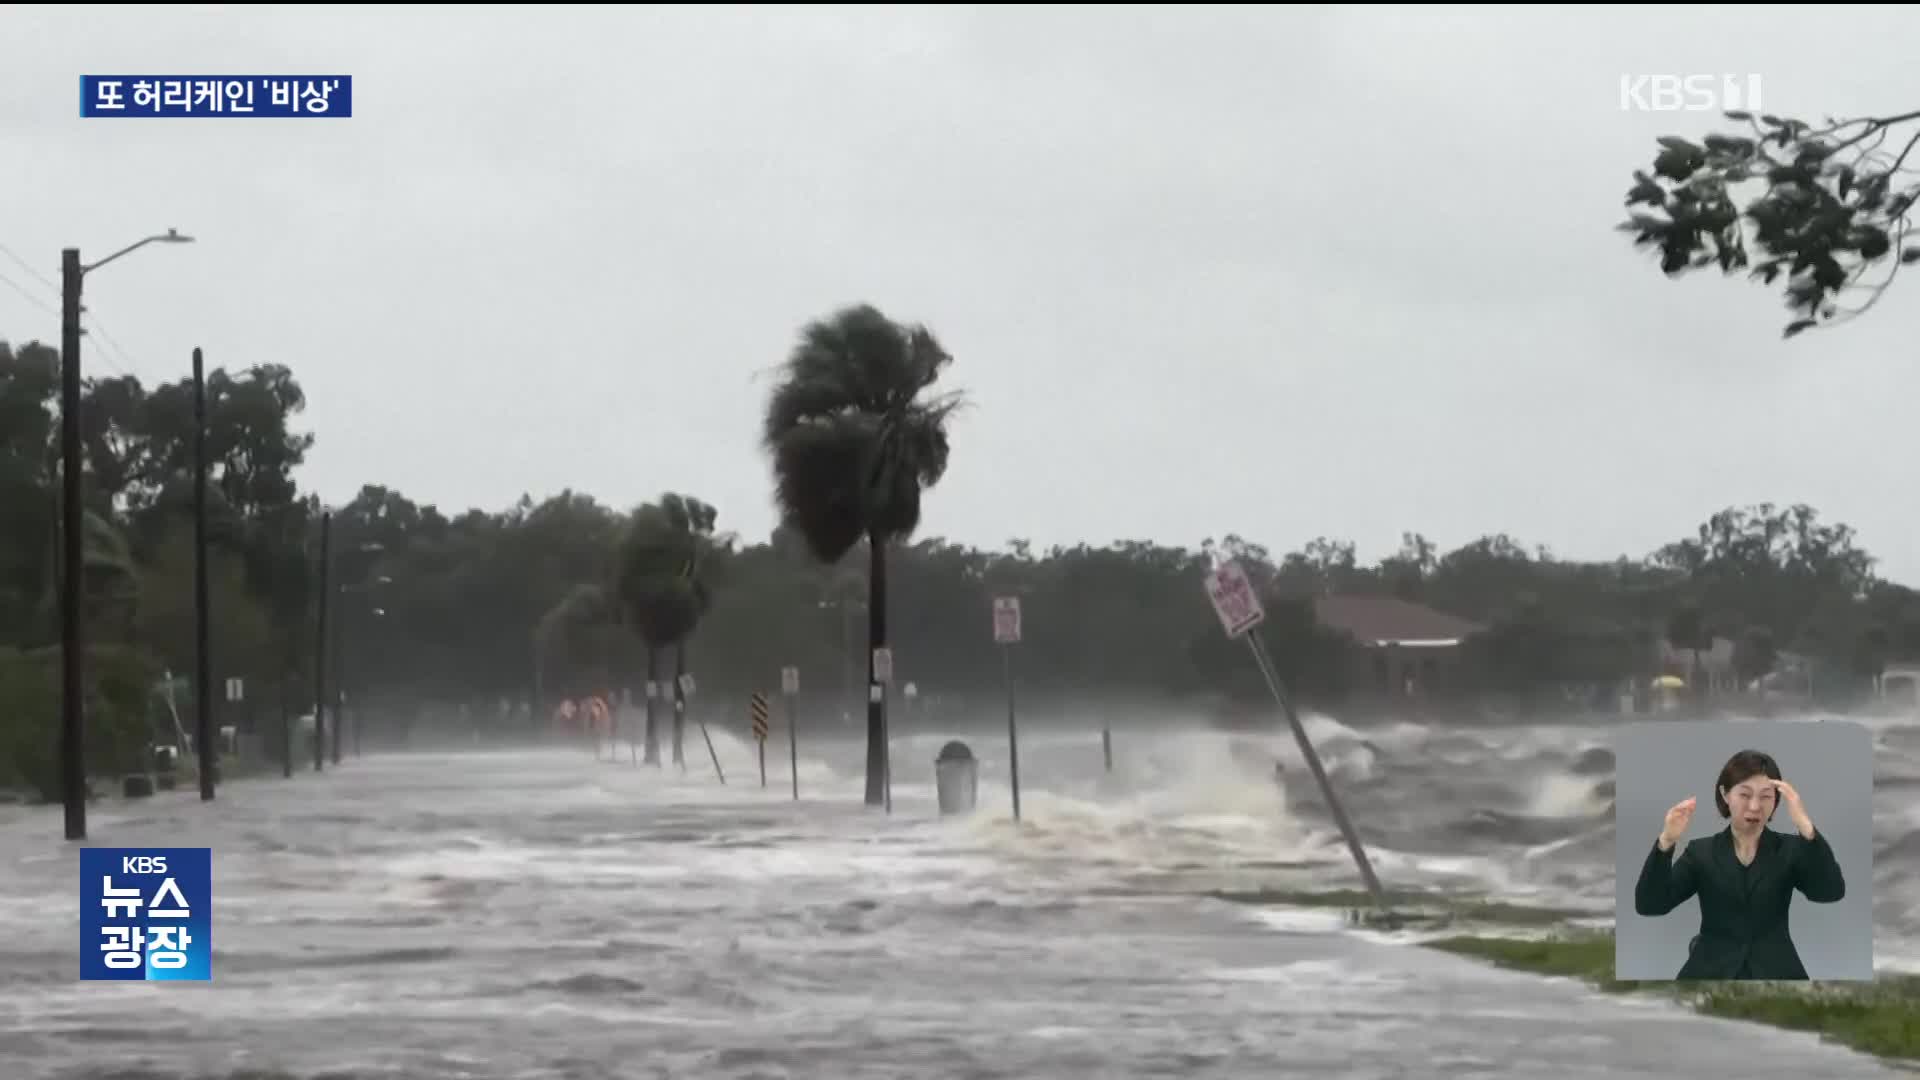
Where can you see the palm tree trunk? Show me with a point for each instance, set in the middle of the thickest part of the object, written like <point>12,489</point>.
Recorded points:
<point>876,703</point>
<point>653,676</point>
<point>679,704</point>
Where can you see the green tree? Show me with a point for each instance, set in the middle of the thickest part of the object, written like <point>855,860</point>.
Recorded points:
<point>854,442</point>
<point>1754,654</point>
<point>1822,209</point>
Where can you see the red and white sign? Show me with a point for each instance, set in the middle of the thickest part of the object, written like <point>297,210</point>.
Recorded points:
<point>1233,599</point>
<point>1006,620</point>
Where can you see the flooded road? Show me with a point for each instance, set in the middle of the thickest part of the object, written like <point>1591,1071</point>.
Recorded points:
<point>539,915</point>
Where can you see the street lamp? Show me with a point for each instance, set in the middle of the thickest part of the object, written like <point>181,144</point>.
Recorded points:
<point>364,589</point>
<point>73,764</point>
<point>846,607</point>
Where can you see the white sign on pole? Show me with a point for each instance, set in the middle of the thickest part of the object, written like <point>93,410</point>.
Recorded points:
<point>1233,599</point>
<point>789,680</point>
<point>911,691</point>
<point>686,685</point>
<point>883,665</point>
<point>653,689</point>
<point>1006,620</point>
<point>236,690</point>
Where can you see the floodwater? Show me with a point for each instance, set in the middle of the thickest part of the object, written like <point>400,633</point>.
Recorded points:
<point>540,915</point>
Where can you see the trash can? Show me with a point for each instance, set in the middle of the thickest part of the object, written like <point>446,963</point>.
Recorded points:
<point>956,778</point>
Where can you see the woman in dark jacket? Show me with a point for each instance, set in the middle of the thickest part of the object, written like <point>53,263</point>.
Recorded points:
<point>1744,875</point>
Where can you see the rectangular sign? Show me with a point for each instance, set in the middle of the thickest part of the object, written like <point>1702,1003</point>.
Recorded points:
<point>790,680</point>
<point>146,914</point>
<point>1233,599</point>
<point>883,665</point>
<point>758,709</point>
<point>236,690</point>
<point>1006,620</point>
<point>189,96</point>
<point>686,685</point>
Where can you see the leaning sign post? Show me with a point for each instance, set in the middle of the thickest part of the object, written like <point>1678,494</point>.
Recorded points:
<point>1240,612</point>
<point>1006,634</point>
<point>790,689</point>
<point>686,692</point>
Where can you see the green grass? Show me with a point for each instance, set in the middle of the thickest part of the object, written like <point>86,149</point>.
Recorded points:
<point>1880,1018</point>
<point>1586,956</point>
<point>1406,906</point>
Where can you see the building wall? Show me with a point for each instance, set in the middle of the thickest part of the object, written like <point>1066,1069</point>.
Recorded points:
<point>1404,672</point>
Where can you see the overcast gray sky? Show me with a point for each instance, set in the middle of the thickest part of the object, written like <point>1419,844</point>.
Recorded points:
<point>1289,273</point>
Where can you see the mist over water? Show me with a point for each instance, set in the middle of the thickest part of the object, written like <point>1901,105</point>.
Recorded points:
<point>534,913</point>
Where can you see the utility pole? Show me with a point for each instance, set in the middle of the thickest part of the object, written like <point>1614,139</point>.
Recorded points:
<point>320,656</point>
<point>203,675</point>
<point>73,763</point>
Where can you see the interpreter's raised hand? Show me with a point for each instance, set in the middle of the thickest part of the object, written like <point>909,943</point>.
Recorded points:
<point>1795,809</point>
<point>1676,824</point>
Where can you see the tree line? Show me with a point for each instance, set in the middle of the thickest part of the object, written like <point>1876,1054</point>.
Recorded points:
<point>566,596</point>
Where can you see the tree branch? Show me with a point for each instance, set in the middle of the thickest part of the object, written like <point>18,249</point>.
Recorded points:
<point>1821,221</point>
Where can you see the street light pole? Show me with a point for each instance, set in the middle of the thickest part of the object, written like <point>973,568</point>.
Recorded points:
<point>203,660</point>
<point>73,767</point>
<point>846,661</point>
<point>73,761</point>
<point>320,655</point>
<point>364,591</point>
<point>845,606</point>
<point>339,677</point>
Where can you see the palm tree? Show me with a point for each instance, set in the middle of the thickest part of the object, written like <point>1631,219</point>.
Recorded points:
<point>663,590</point>
<point>1687,629</point>
<point>854,443</point>
<point>568,636</point>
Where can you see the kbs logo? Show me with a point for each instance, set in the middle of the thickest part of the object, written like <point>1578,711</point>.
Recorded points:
<point>1689,93</point>
<point>146,914</point>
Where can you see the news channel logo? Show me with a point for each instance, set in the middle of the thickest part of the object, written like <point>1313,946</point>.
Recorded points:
<point>1689,93</point>
<point>146,914</point>
<point>198,96</point>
